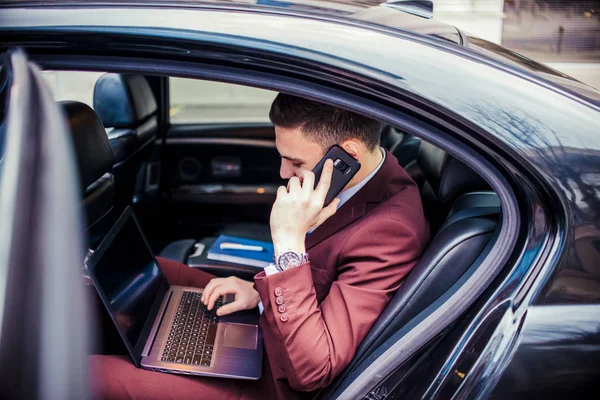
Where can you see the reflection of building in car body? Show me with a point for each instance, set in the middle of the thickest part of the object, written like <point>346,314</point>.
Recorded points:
<point>563,33</point>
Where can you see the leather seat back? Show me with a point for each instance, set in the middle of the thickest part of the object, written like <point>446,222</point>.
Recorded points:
<point>465,232</point>
<point>403,146</point>
<point>451,252</point>
<point>390,138</point>
<point>94,162</point>
<point>445,179</point>
<point>127,108</point>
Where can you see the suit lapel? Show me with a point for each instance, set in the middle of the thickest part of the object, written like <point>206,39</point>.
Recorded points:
<point>349,212</point>
<point>356,206</point>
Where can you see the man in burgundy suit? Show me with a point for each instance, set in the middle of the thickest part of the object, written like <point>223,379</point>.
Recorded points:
<point>336,267</point>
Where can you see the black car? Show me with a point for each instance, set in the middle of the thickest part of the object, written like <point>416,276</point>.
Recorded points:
<point>505,302</point>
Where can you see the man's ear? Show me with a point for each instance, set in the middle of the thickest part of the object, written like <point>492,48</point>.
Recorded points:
<point>352,147</point>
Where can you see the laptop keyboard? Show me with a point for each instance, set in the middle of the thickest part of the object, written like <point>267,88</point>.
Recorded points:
<point>192,337</point>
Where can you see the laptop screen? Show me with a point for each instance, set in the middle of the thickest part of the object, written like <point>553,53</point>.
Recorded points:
<point>128,277</point>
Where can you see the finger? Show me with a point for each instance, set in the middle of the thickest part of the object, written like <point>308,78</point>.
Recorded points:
<point>325,180</point>
<point>329,210</point>
<point>218,287</point>
<point>216,293</point>
<point>308,180</point>
<point>209,288</point>
<point>281,191</point>
<point>294,184</point>
<point>234,306</point>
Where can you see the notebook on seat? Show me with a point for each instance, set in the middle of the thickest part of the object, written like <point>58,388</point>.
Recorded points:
<point>167,328</point>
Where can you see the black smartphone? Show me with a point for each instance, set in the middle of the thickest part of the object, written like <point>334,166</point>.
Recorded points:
<point>344,168</point>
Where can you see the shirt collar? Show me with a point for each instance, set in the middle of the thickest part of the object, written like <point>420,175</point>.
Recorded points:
<point>348,193</point>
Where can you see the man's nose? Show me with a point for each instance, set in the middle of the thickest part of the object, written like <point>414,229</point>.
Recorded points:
<point>286,171</point>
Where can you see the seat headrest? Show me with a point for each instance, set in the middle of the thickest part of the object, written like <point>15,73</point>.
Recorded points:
<point>447,176</point>
<point>123,101</point>
<point>94,156</point>
<point>390,137</point>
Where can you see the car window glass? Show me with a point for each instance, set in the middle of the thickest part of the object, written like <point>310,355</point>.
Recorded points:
<point>72,85</point>
<point>196,101</point>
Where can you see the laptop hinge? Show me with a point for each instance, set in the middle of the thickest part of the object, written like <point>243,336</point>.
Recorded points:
<point>157,323</point>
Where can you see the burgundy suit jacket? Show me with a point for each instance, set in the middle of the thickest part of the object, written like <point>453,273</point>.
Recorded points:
<point>316,315</point>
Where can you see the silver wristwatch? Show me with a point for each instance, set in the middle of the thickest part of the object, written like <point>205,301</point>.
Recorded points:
<point>289,259</point>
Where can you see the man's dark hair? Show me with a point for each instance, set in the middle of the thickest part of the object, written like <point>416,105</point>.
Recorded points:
<point>324,124</point>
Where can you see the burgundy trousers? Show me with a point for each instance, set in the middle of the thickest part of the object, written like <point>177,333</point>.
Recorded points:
<point>116,377</point>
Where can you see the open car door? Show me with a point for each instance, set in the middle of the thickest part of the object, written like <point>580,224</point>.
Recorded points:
<point>44,332</point>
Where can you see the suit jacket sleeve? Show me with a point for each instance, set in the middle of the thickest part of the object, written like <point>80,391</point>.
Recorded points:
<point>319,340</point>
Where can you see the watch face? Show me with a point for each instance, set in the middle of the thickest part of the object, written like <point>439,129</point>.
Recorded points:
<point>289,259</point>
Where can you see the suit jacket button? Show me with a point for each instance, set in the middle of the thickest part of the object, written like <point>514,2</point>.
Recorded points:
<point>279,300</point>
<point>284,317</point>
<point>281,308</point>
<point>278,292</point>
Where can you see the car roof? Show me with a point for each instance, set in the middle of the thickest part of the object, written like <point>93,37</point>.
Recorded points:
<point>367,12</point>
<point>461,81</point>
<point>363,12</point>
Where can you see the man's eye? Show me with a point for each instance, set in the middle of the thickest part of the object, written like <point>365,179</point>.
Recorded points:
<point>297,165</point>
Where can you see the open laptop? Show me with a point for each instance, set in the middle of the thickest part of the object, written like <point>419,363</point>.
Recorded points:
<point>167,328</point>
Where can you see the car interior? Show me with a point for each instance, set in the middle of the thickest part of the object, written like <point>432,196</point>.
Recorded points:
<point>190,181</point>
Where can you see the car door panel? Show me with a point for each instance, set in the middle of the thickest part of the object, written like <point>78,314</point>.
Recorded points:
<point>44,331</point>
<point>220,173</point>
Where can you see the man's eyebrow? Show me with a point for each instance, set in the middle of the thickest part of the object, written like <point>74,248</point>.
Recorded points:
<point>294,160</point>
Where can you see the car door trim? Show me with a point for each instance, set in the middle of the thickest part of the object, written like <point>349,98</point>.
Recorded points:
<point>223,141</point>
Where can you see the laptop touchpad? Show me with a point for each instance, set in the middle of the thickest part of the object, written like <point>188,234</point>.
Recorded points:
<point>240,336</point>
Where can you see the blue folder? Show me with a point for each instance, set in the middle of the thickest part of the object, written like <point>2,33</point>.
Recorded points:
<point>259,259</point>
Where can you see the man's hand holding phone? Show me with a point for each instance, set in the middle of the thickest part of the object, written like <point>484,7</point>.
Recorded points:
<point>299,209</point>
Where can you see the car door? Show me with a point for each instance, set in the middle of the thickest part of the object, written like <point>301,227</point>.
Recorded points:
<point>221,162</point>
<point>44,333</point>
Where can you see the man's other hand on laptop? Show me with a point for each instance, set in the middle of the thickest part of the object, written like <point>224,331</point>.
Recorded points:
<point>246,298</point>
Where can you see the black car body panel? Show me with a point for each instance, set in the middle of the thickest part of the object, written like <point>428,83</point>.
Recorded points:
<point>555,355</point>
<point>544,137</point>
<point>384,17</point>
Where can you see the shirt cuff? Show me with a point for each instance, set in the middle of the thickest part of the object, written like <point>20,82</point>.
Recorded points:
<point>271,269</point>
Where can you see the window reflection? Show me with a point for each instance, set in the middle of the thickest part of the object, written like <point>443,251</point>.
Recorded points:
<point>552,30</point>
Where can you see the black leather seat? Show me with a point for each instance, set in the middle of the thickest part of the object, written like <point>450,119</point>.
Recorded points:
<point>466,232</point>
<point>94,163</point>
<point>403,146</point>
<point>443,179</point>
<point>127,108</point>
